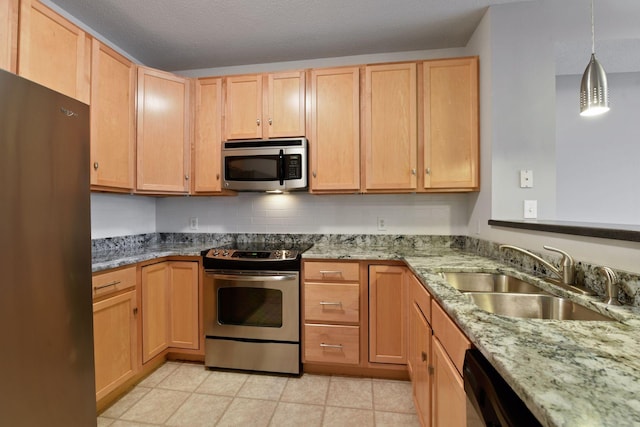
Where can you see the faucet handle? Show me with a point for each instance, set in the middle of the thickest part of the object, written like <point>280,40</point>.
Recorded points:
<point>565,255</point>
<point>612,281</point>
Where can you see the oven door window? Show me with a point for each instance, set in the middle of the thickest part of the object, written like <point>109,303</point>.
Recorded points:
<point>247,306</point>
<point>252,168</point>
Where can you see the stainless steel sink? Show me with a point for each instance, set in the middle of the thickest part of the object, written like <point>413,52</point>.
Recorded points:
<point>489,282</point>
<point>533,306</point>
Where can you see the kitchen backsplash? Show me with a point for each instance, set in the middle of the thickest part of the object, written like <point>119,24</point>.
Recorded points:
<point>587,274</point>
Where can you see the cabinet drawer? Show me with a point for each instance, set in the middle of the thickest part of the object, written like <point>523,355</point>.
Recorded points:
<point>421,297</point>
<point>113,281</point>
<point>332,271</point>
<point>453,339</point>
<point>334,344</point>
<point>332,302</point>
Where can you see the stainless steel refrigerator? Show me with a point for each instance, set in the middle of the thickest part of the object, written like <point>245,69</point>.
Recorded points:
<point>46,329</point>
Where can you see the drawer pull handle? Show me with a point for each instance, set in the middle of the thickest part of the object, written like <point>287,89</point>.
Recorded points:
<point>114,283</point>
<point>332,272</point>
<point>339,303</point>
<point>323,345</point>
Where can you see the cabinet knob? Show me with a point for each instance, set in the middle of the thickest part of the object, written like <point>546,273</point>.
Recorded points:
<point>428,171</point>
<point>313,173</point>
<point>217,177</point>
<point>413,171</point>
<point>95,165</point>
<point>423,356</point>
<point>258,122</point>
<point>186,177</point>
<point>270,121</point>
<point>135,311</point>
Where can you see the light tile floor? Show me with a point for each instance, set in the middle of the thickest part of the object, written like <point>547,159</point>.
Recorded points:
<point>187,394</point>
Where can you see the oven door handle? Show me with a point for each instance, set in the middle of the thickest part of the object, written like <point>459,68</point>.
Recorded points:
<point>253,278</point>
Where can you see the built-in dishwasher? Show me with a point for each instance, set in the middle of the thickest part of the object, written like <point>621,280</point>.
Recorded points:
<point>490,400</point>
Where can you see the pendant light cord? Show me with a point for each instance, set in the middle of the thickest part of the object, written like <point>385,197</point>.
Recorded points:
<point>593,31</point>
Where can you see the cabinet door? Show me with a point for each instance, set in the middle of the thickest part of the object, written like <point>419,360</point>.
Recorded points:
<point>387,314</point>
<point>207,157</point>
<point>9,35</point>
<point>391,132</point>
<point>114,341</point>
<point>183,305</point>
<point>243,118</point>
<point>53,52</point>
<point>451,123</point>
<point>286,105</point>
<point>155,310</point>
<point>163,132</point>
<point>419,356</point>
<point>112,119</point>
<point>335,129</point>
<point>449,400</point>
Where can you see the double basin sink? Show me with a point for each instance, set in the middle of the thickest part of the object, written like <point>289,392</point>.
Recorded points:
<point>509,296</point>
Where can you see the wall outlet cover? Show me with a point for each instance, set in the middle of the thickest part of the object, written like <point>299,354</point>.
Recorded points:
<point>530,209</point>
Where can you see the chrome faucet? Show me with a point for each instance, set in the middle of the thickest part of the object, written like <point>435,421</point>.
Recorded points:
<point>566,273</point>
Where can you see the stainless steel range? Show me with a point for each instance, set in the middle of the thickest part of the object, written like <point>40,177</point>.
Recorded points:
<point>252,307</point>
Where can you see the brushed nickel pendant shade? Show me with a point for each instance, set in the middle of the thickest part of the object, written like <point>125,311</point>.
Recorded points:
<point>594,90</point>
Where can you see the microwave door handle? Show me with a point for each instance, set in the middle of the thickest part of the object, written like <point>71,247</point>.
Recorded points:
<point>281,167</point>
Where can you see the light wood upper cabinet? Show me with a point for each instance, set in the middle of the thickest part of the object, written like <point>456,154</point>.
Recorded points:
<point>390,142</point>
<point>243,119</point>
<point>9,35</point>
<point>265,106</point>
<point>183,304</point>
<point>451,123</point>
<point>113,81</point>
<point>207,158</point>
<point>53,52</point>
<point>388,323</point>
<point>334,137</point>
<point>286,105</point>
<point>163,148</point>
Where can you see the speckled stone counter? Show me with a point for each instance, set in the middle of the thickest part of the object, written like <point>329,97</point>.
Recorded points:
<point>569,373</point>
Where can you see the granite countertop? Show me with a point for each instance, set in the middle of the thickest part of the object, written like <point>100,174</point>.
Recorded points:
<point>569,373</point>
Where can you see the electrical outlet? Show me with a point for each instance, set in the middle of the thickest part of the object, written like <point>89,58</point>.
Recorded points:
<point>382,224</point>
<point>193,223</point>
<point>530,209</point>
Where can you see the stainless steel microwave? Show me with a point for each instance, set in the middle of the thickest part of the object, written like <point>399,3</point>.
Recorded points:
<point>265,164</point>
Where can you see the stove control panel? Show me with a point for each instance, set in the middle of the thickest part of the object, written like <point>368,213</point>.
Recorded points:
<point>234,254</point>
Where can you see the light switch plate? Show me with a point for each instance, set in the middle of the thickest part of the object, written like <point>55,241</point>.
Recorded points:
<point>530,209</point>
<point>526,178</point>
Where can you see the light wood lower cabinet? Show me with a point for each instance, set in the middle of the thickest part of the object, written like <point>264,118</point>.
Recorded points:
<point>436,357</point>
<point>419,355</point>
<point>388,314</point>
<point>183,305</point>
<point>169,307</point>
<point>155,310</point>
<point>332,312</point>
<point>115,329</point>
<point>449,400</point>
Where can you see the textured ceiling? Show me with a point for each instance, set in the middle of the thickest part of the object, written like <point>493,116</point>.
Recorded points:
<point>190,34</point>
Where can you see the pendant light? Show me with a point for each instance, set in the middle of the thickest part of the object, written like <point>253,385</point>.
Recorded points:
<point>594,91</point>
